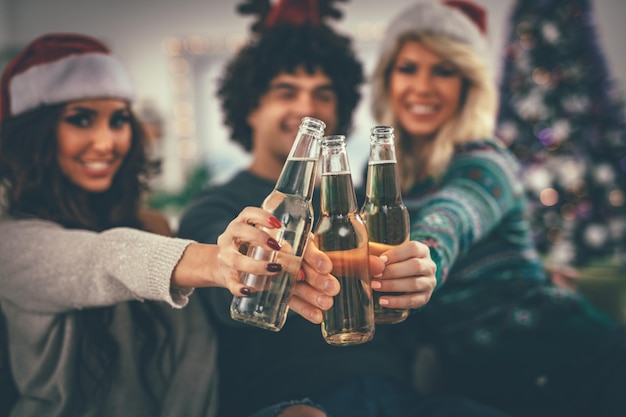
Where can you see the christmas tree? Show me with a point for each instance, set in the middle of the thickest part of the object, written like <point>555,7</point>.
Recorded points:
<point>562,117</point>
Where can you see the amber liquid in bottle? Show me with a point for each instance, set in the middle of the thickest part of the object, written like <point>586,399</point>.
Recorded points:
<point>383,211</point>
<point>342,235</point>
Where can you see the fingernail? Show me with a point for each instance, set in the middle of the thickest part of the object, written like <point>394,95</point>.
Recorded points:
<point>376,284</point>
<point>320,265</point>
<point>274,267</point>
<point>328,285</point>
<point>245,291</point>
<point>274,222</point>
<point>383,301</point>
<point>384,259</point>
<point>273,243</point>
<point>300,276</point>
<point>316,316</point>
<point>324,302</point>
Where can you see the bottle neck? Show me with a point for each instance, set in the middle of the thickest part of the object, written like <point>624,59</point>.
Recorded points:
<point>298,177</point>
<point>337,194</point>
<point>383,182</point>
<point>298,173</point>
<point>337,189</point>
<point>382,151</point>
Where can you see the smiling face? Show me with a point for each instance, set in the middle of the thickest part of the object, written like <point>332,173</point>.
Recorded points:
<point>93,138</point>
<point>275,121</point>
<point>424,90</point>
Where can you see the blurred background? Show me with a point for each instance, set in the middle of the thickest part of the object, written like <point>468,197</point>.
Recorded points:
<point>560,64</point>
<point>176,49</point>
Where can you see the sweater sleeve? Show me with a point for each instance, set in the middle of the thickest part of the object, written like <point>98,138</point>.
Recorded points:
<point>195,225</point>
<point>475,194</point>
<point>47,268</point>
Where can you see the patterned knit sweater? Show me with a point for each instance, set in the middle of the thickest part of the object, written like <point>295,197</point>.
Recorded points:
<point>493,300</point>
<point>474,219</point>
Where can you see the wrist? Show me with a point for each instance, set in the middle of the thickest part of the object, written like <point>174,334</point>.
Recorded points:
<point>196,267</point>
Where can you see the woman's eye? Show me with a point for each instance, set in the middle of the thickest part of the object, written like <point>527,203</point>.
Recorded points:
<point>445,71</point>
<point>119,120</point>
<point>406,68</point>
<point>80,120</point>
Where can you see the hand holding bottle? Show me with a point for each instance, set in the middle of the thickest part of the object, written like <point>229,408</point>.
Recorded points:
<point>315,286</point>
<point>315,293</point>
<point>409,277</point>
<point>342,235</point>
<point>290,202</point>
<point>384,212</point>
<point>410,272</point>
<point>250,228</point>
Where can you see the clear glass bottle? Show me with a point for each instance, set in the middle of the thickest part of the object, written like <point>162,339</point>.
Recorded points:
<point>341,234</point>
<point>290,202</point>
<point>383,211</point>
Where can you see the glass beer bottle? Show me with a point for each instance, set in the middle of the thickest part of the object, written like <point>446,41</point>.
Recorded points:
<point>341,234</point>
<point>383,211</point>
<point>290,202</point>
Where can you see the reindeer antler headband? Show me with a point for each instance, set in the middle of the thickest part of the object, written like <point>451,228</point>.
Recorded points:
<point>289,12</point>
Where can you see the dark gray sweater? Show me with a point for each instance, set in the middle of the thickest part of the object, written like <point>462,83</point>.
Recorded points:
<point>265,367</point>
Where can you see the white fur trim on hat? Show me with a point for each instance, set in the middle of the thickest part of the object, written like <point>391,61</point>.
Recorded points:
<point>75,77</point>
<point>437,18</point>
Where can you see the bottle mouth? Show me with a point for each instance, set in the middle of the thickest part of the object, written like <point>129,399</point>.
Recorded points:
<point>334,140</point>
<point>311,123</point>
<point>378,133</point>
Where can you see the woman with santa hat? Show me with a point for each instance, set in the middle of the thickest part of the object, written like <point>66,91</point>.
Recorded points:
<point>503,333</point>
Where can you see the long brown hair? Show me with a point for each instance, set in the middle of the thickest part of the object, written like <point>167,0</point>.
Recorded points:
<point>35,186</point>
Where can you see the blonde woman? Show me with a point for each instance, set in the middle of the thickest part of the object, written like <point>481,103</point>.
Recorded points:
<point>503,333</point>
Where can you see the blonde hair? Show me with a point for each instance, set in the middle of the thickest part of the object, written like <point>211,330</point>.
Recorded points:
<point>474,120</point>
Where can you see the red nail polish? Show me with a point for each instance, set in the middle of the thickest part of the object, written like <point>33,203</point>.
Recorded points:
<point>300,276</point>
<point>272,243</point>
<point>275,222</point>
<point>274,267</point>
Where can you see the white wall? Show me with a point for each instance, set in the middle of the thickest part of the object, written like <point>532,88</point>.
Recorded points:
<point>4,22</point>
<point>136,30</point>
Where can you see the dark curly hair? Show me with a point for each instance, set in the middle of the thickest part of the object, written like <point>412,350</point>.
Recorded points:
<point>286,48</point>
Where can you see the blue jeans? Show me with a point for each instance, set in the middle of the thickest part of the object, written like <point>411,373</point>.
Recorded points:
<point>376,396</point>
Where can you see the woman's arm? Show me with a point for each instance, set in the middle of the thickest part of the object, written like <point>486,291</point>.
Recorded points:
<point>478,190</point>
<point>45,267</point>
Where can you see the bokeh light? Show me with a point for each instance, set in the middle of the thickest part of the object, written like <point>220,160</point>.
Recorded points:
<point>549,197</point>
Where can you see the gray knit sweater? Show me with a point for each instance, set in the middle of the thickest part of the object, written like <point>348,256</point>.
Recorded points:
<point>48,272</point>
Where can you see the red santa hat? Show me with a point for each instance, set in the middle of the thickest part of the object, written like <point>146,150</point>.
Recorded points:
<point>459,19</point>
<point>298,13</point>
<point>61,67</point>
